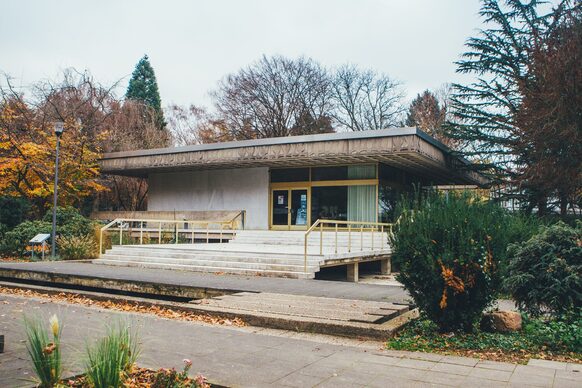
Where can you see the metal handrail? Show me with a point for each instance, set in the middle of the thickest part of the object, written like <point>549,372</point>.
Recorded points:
<point>319,224</point>
<point>243,216</point>
<point>205,225</point>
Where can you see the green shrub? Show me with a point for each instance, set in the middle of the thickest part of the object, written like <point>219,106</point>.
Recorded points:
<point>44,352</point>
<point>545,272</point>
<point>3,230</point>
<point>564,333</point>
<point>518,227</point>
<point>537,336</point>
<point>13,211</point>
<point>16,240</point>
<point>110,360</point>
<point>70,222</point>
<point>448,248</point>
<point>77,247</point>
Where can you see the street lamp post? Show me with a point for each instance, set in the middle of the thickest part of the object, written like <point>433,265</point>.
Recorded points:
<point>58,127</point>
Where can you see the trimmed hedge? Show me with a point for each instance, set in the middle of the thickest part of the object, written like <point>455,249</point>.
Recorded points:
<point>451,249</point>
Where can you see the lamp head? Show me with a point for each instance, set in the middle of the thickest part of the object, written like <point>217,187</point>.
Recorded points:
<point>59,127</point>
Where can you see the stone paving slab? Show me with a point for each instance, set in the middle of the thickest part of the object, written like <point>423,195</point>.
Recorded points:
<point>240,357</point>
<point>252,317</point>
<point>337,302</point>
<point>307,306</point>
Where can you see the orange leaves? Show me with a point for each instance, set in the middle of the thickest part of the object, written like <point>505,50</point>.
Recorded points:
<point>451,281</point>
<point>27,157</point>
<point>443,302</point>
<point>127,306</point>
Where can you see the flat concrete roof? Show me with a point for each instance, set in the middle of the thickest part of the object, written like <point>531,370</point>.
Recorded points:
<point>389,132</point>
<point>406,148</point>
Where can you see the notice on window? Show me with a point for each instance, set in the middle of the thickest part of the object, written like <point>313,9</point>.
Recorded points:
<point>280,200</point>
<point>302,211</point>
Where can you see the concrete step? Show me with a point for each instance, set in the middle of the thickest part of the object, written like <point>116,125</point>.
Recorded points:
<point>212,256</point>
<point>210,250</point>
<point>234,271</point>
<point>257,266</point>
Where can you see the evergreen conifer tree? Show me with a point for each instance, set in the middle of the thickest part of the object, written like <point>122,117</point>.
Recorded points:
<point>143,87</point>
<point>489,113</point>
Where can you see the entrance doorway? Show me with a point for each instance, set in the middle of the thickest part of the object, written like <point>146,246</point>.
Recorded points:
<point>290,209</point>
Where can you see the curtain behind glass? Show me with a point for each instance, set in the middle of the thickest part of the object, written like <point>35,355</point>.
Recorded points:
<point>362,172</point>
<point>362,203</point>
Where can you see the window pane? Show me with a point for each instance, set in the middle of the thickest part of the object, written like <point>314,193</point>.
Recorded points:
<point>362,203</point>
<point>329,203</point>
<point>329,173</point>
<point>340,173</point>
<point>290,175</point>
<point>362,172</point>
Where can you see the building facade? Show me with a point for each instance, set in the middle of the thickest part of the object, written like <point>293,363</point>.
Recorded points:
<point>288,183</point>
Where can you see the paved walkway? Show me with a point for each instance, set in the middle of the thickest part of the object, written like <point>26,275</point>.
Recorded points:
<point>247,357</point>
<point>329,289</point>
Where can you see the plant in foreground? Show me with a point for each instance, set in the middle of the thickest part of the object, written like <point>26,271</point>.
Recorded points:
<point>44,352</point>
<point>170,378</point>
<point>111,359</point>
<point>449,248</point>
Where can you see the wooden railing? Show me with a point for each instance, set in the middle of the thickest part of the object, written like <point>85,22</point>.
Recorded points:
<point>160,228</point>
<point>356,228</point>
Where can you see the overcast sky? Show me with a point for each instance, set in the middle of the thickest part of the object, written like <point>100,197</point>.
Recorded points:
<point>193,44</point>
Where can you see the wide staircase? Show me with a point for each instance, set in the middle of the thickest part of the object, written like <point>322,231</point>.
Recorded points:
<point>264,253</point>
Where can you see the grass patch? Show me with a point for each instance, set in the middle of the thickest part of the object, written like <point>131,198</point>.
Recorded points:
<point>110,360</point>
<point>554,340</point>
<point>44,350</point>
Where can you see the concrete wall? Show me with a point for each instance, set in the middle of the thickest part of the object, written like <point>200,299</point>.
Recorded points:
<point>236,189</point>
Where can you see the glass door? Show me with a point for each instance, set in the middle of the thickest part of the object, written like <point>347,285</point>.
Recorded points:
<point>298,211</point>
<point>290,208</point>
<point>280,208</point>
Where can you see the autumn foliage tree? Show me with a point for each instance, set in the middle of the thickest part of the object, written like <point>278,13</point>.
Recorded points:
<point>27,141</point>
<point>195,125</point>
<point>95,122</point>
<point>429,112</point>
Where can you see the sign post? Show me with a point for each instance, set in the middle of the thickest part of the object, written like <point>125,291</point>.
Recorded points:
<point>39,239</point>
